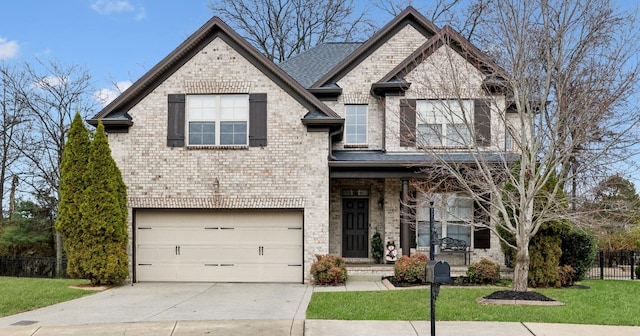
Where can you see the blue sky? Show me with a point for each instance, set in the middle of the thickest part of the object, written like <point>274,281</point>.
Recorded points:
<point>115,40</point>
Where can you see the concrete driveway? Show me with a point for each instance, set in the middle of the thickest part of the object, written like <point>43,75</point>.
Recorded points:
<point>157,302</point>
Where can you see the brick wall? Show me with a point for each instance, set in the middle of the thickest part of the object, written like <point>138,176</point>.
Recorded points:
<point>290,171</point>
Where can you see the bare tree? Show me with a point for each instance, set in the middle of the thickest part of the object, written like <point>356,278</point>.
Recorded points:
<point>12,130</point>
<point>464,16</point>
<point>50,95</point>
<point>281,29</point>
<point>559,92</point>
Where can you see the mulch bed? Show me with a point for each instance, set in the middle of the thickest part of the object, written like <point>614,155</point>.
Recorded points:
<point>511,295</point>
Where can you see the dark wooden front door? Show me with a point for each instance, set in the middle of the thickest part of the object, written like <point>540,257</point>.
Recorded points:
<point>355,227</point>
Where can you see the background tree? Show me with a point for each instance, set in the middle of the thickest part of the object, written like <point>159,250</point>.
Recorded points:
<point>72,185</point>
<point>613,213</point>
<point>28,232</point>
<point>281,29</point>
<point>103,219</point>
<point>49,94</point>
<point>568,70</point>
<point>12,128</point>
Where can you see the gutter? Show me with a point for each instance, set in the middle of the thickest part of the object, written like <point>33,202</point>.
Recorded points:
<point>331,135</point>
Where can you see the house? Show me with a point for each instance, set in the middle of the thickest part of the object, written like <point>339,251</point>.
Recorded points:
<point>242,170</point>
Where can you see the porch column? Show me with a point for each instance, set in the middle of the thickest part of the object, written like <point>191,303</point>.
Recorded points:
<point>405,244</point>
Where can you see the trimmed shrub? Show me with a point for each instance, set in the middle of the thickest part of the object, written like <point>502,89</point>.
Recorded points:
<point>638,272</point>
<point>411,269</point>
<point>578,250</point>
<point>566,276</point>
<point>484,272</point>
<point>329,270</point>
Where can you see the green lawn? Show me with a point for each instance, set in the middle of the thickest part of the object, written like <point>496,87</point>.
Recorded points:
<point>607,302</point>
<point>23,294</point>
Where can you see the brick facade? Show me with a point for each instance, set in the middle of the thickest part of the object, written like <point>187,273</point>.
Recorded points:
<point>290,172</point>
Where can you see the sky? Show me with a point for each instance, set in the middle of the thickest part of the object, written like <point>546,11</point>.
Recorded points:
<point>116,41</point>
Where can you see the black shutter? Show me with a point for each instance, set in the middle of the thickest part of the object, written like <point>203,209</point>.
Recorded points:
<point>482,122</point>
<point>257,119</point>
<point>481,235</point>
<point>407,122</point>
<point>175,124</point>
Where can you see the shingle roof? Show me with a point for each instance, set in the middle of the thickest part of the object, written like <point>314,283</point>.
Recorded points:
<point>360,158</point>
<point>311,65</point>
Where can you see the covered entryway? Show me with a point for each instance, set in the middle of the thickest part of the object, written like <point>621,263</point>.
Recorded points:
<point>218,245</point>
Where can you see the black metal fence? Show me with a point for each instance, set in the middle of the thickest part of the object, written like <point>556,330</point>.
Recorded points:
<point>615,265</point>
<point>31,267</point>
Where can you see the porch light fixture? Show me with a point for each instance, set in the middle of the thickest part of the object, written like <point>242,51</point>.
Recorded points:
<point>380,203</point>
<point>216,185</point>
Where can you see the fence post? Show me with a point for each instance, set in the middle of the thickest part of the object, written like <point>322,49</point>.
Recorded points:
<point>601,265</point>
<point>633,264</point>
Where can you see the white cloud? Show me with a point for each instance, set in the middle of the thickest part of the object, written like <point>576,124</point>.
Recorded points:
<point>107,95</point>
<point>111,6</point>
<point>51,81</point>
<point>107,7</point>
<point>142,14</point>
<point>8,49</point>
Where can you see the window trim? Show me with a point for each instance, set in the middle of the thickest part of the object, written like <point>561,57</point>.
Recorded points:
<point>218,120</point>
<point>438,118</point>
<point>442,224</point>
<point>366,126</point>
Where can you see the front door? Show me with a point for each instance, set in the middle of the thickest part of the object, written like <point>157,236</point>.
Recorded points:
<point>355,227</point>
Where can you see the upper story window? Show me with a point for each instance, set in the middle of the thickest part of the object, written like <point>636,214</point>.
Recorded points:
<point>356,124</point>
<point>217,119</point>
<point>444,123</point>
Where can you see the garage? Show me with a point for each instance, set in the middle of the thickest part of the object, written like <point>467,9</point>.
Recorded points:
<point>218,245</point>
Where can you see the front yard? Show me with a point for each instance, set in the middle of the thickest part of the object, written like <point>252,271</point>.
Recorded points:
<point>23,294</point>
<point>607,302</point>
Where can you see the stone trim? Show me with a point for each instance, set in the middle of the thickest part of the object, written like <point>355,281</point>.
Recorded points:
<point>356,99</point>
<point>213,87</point>
<point>217,202</point>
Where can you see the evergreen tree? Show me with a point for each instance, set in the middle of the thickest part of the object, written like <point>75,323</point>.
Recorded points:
<point>104,216</point>
<point>72,185</point>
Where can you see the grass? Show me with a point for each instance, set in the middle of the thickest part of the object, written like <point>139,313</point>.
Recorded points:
<point>23,294</point>
<point>607,302</point>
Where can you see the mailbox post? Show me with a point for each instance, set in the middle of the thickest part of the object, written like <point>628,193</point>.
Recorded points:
<point>436,272</point>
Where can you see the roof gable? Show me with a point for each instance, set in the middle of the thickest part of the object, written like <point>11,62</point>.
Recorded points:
<point>115,113</point>
<point>410,16</point>
<point>449,37</point>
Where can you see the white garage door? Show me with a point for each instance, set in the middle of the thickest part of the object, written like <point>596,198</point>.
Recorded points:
<point>224,246</point>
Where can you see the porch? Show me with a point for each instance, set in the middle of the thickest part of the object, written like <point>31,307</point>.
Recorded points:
<point>372,271</point>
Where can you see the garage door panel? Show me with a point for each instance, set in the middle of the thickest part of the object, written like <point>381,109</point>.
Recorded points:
<point>226,246</point>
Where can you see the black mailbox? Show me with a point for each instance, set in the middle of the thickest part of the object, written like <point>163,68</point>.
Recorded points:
<point>437,272</point>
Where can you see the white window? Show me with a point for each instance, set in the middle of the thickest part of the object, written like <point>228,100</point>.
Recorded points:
<point>356,124</point>
<point>444,123</point>
<point>508,140</point>
<point>453,216</point>
<point>217,119</point>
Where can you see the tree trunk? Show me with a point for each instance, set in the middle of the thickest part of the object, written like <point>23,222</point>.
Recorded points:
<point>521,268</point>
<point>58,254</point>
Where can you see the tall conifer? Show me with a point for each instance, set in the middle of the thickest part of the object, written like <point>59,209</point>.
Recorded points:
<point>72,169</point>
<point>104,216</point>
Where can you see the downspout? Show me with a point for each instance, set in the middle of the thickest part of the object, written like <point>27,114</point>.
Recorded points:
<point>331,135</point>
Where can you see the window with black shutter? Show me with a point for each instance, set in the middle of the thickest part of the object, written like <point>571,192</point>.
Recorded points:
<point>481,235</point>
<point>407,122</point>
<point>217,120</point>
<point>258,120</point>
<point>175,125</point>
<point>482,122</point>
